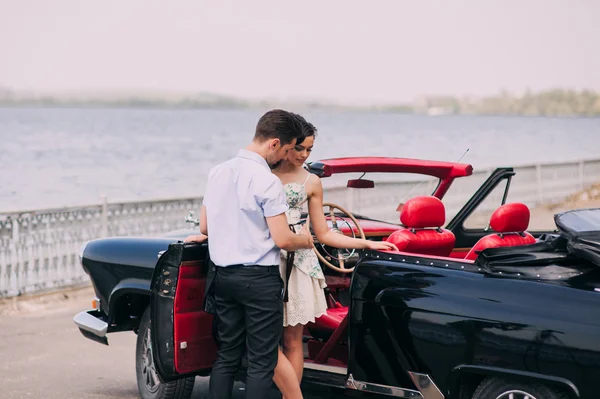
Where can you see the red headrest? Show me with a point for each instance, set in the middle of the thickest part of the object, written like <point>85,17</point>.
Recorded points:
<point>510,218</point>
<point>421,212</point>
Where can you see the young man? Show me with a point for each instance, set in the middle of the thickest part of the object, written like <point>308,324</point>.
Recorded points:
<point>243,213</point>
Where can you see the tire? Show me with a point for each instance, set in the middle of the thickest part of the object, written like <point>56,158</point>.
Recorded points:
<point>149,384</point>
<point>500,388</point>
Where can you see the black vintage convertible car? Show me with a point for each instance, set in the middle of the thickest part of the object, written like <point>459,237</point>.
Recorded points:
<point>498,312</point>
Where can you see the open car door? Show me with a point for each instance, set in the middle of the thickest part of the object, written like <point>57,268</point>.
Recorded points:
<point>181,331</point>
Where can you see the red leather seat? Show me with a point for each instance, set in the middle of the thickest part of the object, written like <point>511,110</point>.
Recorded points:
<point>330,320</point>
<point>510,222</point>
<point>423,218</point>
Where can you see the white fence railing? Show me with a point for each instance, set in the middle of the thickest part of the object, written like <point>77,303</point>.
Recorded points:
<point>39,249</point>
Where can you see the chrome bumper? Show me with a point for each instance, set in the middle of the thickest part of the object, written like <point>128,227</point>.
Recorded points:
<point>92,326</point>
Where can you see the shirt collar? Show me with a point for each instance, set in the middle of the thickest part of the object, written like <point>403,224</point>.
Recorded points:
<point>251,155</point>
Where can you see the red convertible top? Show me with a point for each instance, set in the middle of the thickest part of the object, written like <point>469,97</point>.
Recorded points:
<point>442,170</point>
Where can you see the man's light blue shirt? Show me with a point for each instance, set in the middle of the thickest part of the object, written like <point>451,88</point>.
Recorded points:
<point>240,194</point>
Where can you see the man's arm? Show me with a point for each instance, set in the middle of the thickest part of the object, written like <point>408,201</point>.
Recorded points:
<point>203,221</point>
<point>284,238</point>
<point>207,200</point>
<point>274,205</point>
<point>203,229</point>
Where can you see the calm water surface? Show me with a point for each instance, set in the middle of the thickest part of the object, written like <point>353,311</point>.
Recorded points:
<point>64,157</point>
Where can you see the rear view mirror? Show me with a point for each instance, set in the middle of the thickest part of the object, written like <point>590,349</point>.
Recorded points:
<point>360,183</point>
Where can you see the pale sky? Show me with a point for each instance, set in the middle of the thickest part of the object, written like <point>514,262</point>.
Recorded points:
<point>349,51</point>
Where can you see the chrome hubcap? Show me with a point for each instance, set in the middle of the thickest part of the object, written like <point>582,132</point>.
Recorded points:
<point>515,394</point>
<point>149,374</point>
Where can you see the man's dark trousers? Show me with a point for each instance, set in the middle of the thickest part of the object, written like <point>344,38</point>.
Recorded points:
<point>249,312</point>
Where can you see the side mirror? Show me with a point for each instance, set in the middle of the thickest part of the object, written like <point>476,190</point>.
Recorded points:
<point>360,183</point>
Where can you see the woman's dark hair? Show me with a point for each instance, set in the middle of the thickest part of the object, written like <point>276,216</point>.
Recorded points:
<point>279,124</point>
<point>308,129</point>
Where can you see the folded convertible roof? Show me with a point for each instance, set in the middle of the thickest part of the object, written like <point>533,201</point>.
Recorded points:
<point>442,170</point>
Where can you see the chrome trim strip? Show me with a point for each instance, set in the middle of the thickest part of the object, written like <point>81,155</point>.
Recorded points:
<point>351,383</point>
<point>326,368</point>
<point>89,323</point>
<point>426,386</point>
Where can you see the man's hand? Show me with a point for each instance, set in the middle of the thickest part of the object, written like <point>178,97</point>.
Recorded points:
<point>305,231</point>
<point>196,238</point>
<point>285,238</point>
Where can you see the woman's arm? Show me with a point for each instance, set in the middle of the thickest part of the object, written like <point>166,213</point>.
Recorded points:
<point>319,223</point>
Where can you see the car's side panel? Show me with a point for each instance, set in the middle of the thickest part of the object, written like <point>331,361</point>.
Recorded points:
<point>181,331</point>
<point>376,347</point>
<point>432,319</point>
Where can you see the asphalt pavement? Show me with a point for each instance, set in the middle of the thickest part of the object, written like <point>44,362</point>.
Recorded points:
<point>43,354</point>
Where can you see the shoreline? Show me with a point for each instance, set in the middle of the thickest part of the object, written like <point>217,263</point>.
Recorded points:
<point>297,108</point>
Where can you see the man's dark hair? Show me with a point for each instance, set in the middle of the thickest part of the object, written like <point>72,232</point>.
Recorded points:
<point>279,124</point>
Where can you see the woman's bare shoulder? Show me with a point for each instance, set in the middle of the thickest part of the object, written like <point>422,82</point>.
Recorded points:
<point>313,184</point>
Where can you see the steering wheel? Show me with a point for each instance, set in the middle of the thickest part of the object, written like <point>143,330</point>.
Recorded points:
<point>340,258</point>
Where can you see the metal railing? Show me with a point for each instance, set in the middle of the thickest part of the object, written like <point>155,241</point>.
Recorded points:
<point>39,249</point>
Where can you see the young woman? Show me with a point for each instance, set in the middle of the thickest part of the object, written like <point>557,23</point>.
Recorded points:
<point>306,298</point>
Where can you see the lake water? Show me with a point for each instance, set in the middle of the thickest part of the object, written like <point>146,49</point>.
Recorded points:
<point>65,157</point>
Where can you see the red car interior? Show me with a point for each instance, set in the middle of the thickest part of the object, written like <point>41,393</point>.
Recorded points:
<point>331,320</point>
<point>423,218</point>
<point>510,222</point>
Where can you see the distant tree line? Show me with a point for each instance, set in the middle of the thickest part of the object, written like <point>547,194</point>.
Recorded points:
<point>557,102</point>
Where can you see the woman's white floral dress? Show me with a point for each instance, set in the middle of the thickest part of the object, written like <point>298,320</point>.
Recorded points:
<point>306,299</point>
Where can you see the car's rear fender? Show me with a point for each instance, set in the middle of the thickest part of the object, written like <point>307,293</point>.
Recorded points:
<point>468,377</point>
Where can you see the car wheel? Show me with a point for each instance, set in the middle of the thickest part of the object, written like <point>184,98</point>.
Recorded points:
<point>500,388</point>
<point>149,384</point>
